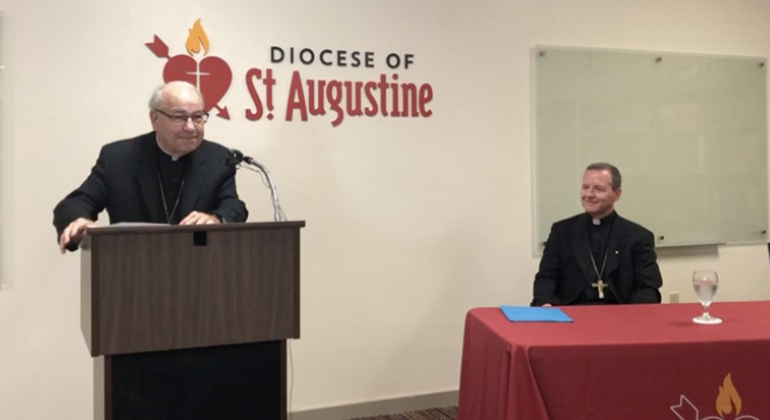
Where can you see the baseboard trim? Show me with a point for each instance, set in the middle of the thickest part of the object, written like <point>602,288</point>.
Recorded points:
<point>379,407</point>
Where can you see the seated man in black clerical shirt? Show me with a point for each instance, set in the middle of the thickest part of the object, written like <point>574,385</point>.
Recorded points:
<point>598,257</point>
<point>170,175</point>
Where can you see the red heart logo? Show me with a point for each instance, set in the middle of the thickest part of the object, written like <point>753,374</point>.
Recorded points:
<point>214,73</point>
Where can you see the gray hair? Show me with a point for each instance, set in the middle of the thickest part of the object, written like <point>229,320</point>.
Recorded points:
<point>156,100</point>
<point>614,172</point>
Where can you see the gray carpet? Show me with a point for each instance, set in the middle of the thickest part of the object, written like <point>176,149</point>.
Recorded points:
<point>446,413</point>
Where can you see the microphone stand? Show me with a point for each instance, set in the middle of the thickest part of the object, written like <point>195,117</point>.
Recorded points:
<point>278,215</point>
<point>236,158</point>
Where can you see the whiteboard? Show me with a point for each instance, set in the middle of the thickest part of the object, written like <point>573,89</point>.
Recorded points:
<point>688,133</point>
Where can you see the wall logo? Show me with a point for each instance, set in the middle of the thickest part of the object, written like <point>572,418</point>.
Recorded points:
<point>384,95</point>
<point>210,74</point>
<point>728,405</point>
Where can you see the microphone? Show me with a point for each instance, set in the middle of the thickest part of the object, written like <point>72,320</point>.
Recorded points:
<point>235,158</point>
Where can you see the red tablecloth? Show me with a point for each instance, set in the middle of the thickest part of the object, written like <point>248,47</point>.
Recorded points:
<point>627,362</point>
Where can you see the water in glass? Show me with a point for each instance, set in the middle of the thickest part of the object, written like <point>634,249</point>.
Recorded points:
<point>705,284</point>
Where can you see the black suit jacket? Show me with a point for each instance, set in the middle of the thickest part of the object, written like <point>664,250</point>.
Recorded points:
<point>125,182</point>
<point>566,269</point>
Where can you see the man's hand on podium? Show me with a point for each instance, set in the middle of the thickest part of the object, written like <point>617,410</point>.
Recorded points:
<point>198,218</point>
<point>74,232</point>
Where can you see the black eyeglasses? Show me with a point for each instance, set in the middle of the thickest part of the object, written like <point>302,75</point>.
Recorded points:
<point>181,119</point>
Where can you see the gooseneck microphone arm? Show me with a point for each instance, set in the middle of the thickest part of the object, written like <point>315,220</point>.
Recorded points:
<point>237,158</point>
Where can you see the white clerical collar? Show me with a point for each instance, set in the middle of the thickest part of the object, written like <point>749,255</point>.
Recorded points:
<point>173,158</point>
<point>598,222</point>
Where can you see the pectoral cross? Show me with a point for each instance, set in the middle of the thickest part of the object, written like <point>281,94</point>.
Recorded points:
<point>599,284</point>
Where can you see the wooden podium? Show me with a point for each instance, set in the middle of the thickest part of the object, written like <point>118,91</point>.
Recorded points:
<point>190,322</point>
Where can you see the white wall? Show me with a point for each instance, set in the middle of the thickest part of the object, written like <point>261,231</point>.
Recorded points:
<point>410,222</point>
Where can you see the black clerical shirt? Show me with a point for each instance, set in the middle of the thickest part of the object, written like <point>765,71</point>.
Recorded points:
<point>171,174</point>
<point>599,231</point>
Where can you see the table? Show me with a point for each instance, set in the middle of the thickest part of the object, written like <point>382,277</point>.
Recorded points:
<point>628,362</point>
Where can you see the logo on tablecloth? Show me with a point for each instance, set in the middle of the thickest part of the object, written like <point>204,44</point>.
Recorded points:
<point>728,405</point>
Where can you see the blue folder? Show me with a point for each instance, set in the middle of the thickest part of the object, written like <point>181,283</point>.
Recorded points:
<point>534,314</point>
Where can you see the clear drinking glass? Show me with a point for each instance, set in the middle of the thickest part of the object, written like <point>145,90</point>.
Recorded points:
<point>705,284</point>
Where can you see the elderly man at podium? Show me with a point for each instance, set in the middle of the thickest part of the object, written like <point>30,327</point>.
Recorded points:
<point>170,175</point>
<point>598,257</point>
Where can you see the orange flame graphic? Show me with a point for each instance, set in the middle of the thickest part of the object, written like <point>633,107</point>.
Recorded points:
<point>728,398</point>
<point>197,39</point>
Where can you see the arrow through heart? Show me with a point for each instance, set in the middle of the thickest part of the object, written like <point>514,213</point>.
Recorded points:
<point>212,75</point>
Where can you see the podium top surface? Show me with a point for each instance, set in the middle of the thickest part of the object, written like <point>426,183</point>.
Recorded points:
<point>122,228</point>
